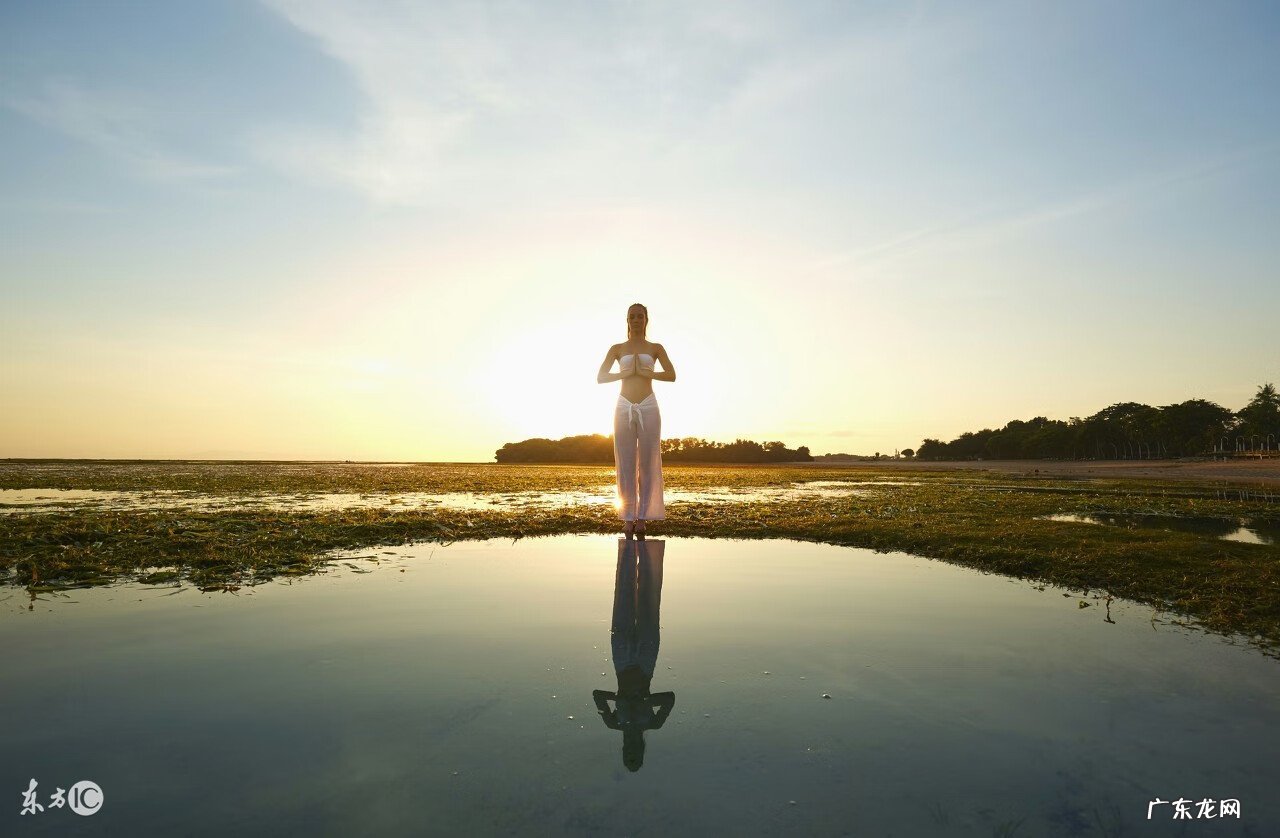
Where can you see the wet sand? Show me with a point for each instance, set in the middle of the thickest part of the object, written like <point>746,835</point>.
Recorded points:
<point>1239,470</point>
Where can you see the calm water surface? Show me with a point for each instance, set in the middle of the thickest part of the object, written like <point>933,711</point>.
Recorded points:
<point>761,687</point>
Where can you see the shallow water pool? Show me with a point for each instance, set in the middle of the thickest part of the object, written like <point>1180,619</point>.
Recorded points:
<point>1244,530</point>
<point>53,501</point>
<point>585,685</point>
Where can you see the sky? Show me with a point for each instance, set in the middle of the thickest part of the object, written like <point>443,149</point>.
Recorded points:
<point>350,229</point>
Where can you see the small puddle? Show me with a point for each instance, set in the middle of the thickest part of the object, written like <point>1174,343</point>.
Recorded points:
<point>1227,529</point>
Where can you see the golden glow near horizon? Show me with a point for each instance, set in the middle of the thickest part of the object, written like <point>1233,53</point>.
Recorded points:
<point>379,364</point>
<point>359,230</point>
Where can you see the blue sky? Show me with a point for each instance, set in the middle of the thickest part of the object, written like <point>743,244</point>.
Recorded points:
<point>410,231</point>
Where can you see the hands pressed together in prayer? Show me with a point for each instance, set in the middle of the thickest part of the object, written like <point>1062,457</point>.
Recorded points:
<point>630,365</point>
<point>635,368</point>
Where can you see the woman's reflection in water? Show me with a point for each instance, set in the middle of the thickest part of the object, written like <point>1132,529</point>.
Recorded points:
<point>637,592</point>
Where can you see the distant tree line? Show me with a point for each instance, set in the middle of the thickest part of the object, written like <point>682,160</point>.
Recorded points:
<point>590,448</point>
<point>1127,430</point>
<point>594,448</point>
<point>690,450</point>
<point>854,458</point>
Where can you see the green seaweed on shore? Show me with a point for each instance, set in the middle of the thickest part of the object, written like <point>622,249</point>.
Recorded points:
<point>990,522</point>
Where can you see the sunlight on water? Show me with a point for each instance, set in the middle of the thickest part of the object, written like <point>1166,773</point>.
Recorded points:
<point>55,500</point>
<point>577,683</point>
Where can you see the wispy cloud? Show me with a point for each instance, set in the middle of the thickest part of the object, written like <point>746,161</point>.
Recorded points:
<point>518,93</point>
<point>986,228</point>
<point>440,83</point>
<point>846,62</point>
<point>419,101</point>
<point>117,125</point>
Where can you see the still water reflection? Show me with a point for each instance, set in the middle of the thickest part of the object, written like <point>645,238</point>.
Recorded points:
<point>484,688</point>
<point>634,638</point>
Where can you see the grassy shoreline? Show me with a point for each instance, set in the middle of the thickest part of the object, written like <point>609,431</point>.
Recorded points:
<point>989,522</point>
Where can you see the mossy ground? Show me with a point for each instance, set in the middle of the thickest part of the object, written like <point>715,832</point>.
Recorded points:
<point>990,522</point>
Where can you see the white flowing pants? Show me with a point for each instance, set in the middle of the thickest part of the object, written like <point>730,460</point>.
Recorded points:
<point>637,457</point>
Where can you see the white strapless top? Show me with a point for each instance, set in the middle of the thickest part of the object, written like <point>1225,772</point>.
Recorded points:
<point>627,362</point>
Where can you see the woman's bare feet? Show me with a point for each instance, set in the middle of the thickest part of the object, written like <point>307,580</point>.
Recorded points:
<point>639,529</point>
<point>630,529</point>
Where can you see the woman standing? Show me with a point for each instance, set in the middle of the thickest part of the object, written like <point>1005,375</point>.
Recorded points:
<point>637,425</point>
